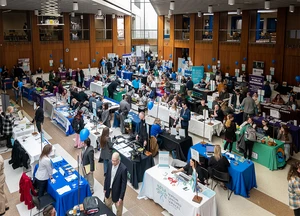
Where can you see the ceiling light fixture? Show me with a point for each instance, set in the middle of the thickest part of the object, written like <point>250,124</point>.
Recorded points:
<point>238,11</point>
<point>36,12</point>
<point>267,4</point>
<point>199,14</point>
<point>169,16</point>
<point>99,12</point>
<point>172,5</point>
<point>75,6</point>
<point>170,12</point>
<point>3,3</point>
<point>113,16</point>
<point>231,2</point>
<point>209,9</point>
<point>72,14</point>
<point>292,8</point>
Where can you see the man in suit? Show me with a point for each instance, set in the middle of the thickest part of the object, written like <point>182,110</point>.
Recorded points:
<point>185,117</point>
<point>115,183</point>
<point>124,110</point>
<point>142,136</point>
<point>88,159</point>
<point>112,87</point>
<point>237,99</point>
<point>39,117</point>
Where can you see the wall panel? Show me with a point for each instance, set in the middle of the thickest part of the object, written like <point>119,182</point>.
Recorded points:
<point>203,54</point>
<point>229,53</point>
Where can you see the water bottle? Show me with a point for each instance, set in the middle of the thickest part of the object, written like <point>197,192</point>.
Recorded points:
<point>78,210</point>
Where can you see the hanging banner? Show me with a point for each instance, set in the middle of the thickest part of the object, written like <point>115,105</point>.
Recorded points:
<point>255,83</point>
<point>197,74</point>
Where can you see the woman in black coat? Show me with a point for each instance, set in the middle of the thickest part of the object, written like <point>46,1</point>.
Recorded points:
<point>230,136</point>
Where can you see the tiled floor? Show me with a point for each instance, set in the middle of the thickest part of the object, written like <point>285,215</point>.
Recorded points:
<point>270,198</point>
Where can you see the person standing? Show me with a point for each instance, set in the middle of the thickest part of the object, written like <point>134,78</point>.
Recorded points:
<point>112,87</point>
<point>109,67</point>
<point>115,183</point>
<point>3,199</point>
<point>156,130</point>
<point>105,115</point>
<point>236,99</point>
<point>249,106</point>
<point>39,117</point>
<point>248,143</point>
<point>8,123</point>
<point>136,84</point>
<point>124,110</point>
<point>293,178</point>
<point>106,146</point>
<point>230,136</point>
<point>142,136</point>
<point>78,125</point>
<point>286,137</point>
<point>15,86</point>
<point>44,171</point>
<point>88,163</point>
<point>173,116</point>
<point>81,78</point>
<point>185,117</point>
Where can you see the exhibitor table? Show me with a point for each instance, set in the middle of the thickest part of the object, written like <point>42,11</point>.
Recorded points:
<point>27,91</point>
<point>126,74</point>
<point>97,86</point>
<point>39,97</point>
<point>286,114</point>
<point>64,118</point>
<point>181,146</point>
<point>173,197</point>
<point>67,200</point>
<point>201,93</point>
<point>50,103</point>
<point>23,127</point>
<point>243,177</point>
<point>134,119</point>
<point>271,157</point>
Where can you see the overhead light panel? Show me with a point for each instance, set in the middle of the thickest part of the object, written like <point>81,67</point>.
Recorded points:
<point>231,2</point>
<point>113,16</point>
<point>99,12</point>
<point>72,14</point>
<point>292,8</point>
<point>36,12</point>
<point>238,11</point>
<point>3,3</point>
<point>75,6</point>
<point>267,4</point>
<point>199,14</point>
<point>172,5</point>
<point>209,9</point>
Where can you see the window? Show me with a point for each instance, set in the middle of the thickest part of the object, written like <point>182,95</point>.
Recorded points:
<point>231,30</point>
<point>79,27</point>
<point>204,27</point>
<point>49,31</point>
<point>182,27</point>
<point>103,28</point>
<point>16,26</point>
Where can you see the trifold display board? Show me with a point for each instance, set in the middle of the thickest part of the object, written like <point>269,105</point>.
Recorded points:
<point>197,74</point>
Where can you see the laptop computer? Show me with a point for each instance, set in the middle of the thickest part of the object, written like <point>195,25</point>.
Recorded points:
<point>210,150</point>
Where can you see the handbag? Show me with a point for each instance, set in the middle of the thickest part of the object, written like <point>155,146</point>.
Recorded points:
<point>91,205</point>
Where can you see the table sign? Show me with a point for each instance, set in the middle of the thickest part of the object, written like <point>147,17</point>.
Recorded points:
<point>163,160</point>
<point>275,113</point>
<point>182,132</point>
<point>195,155</point>
<point>295,122</point>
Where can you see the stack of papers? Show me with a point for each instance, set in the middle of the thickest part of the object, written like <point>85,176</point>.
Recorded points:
<point>57,159</point>
<point>71,177</point>
<point>63,190</point>
<point>126,151</point>
<point>119,146</point>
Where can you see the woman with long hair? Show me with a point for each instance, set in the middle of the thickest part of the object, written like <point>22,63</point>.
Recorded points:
<point>173,116</point>
<point>44,171</point>
<point>105,116</point>
<point>105,145</point>
<point>230,128</point>
<point>16,89</point>
<point>78,125</point>
<point>278,100</point>
<point>293,178</point>
<point>285,136</point>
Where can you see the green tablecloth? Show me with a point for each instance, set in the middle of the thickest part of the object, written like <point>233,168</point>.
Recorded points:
<point>117,95</point>
<point>268,156</point>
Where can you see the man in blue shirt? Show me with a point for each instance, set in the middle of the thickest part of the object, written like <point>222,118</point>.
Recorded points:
<point>174,76</point>
<point>185,117</point>
<point>136,84</point>
<point>156,130</point>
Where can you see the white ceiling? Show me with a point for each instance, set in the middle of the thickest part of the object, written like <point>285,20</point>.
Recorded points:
<point>193,6</point>
<point>84,6</point>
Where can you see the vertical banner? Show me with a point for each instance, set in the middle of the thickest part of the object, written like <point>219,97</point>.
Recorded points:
<point>255,83</point>
<point>197,74</point>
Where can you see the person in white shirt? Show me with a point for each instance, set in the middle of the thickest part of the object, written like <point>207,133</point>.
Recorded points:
<point>44,171</point>
<point>173,116</point>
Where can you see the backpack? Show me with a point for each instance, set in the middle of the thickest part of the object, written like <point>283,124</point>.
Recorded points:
<point>91,205</point>
<point>250,133</point>
<point>76,125</point>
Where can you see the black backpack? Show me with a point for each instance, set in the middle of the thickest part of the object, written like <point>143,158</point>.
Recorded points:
<point>91,205</point>
<point>76,125</point>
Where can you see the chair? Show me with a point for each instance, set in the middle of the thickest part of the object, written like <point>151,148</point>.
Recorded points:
<point>221,177</point>
<point>205,175</point>
<point>153,146</point>
<point>42,202</point>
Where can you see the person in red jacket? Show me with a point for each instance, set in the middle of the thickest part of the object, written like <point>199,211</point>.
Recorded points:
<point>25,185</point>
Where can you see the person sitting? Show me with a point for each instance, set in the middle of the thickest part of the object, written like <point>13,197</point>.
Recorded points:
<point>189,168</point>
<point>202,107</point>
<point>174,76</point>
<point>237,99</point>
<point>215,102</point>
<point>165,98</point>
<point>218,113</point>
<point>218,162</point>
<point>156,130</point>
<point>291,102</point>
<point>224,95</point>
<point>278,100</point>
<point>286,137</point>
<point>202,84</point>
<point>226,109</point>
<point>265,128</point>
<point>39,71</point>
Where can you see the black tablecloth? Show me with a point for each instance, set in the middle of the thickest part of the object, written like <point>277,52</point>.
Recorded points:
<point>103,210</point>
<point>286,114</point>
<point>136,170</point>
<point>201,94</point>
<point>193,105</point>
<point>181,146</point>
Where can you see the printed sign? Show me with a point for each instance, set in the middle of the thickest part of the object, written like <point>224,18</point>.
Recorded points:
<point>255,83</point>
<point>197,74</point>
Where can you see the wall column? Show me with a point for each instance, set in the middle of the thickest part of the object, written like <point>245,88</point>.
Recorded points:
<point>66,40</point>
<point>127,35</point>
<point>192,38</point>
<point>1,40</point>
<point>171,42</point>
<point>160,36</point>
<point>244,37</point>
<point>92,40</point>
<point>215,41</point>
<point>36,44</point>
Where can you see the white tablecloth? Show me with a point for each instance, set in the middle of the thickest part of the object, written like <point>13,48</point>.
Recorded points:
<point>162,113</point>
<point>50,104</point>
<point>94,137</point>
<point>60,115</point>
<point>23,128</point>
<point>97,87</point>
<point>174,199</point>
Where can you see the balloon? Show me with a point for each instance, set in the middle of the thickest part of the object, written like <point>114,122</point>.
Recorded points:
<point>179,70</point>
<point>150,105</point>
<point>141,70</point>
<point>298,78</point>
<point>244,58</point>
<point>170,55</point>
<point>123,67</point>
<point>84,134</point>
<point>208,67</point>
<point>214,59</point>
<point>183,61</point>
<point>61,61</point>
<point>94,60</point>
<point>97,53</point>
<point>20,84</point>
<point>236,63</point>
<point>273,61</point>
<point>0,70</point>
<point>103,63</point>
<point>50,55</point>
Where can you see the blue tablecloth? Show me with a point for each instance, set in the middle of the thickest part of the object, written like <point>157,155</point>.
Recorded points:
<point>238,118</point>
<point>27,92</point>
<point>294,130</point>
<point>126,74</point>
<point>243,175</point>
<point>38,97</point>
<point>112,100</point>
<point>135,121</point>
<point>69,199</point>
